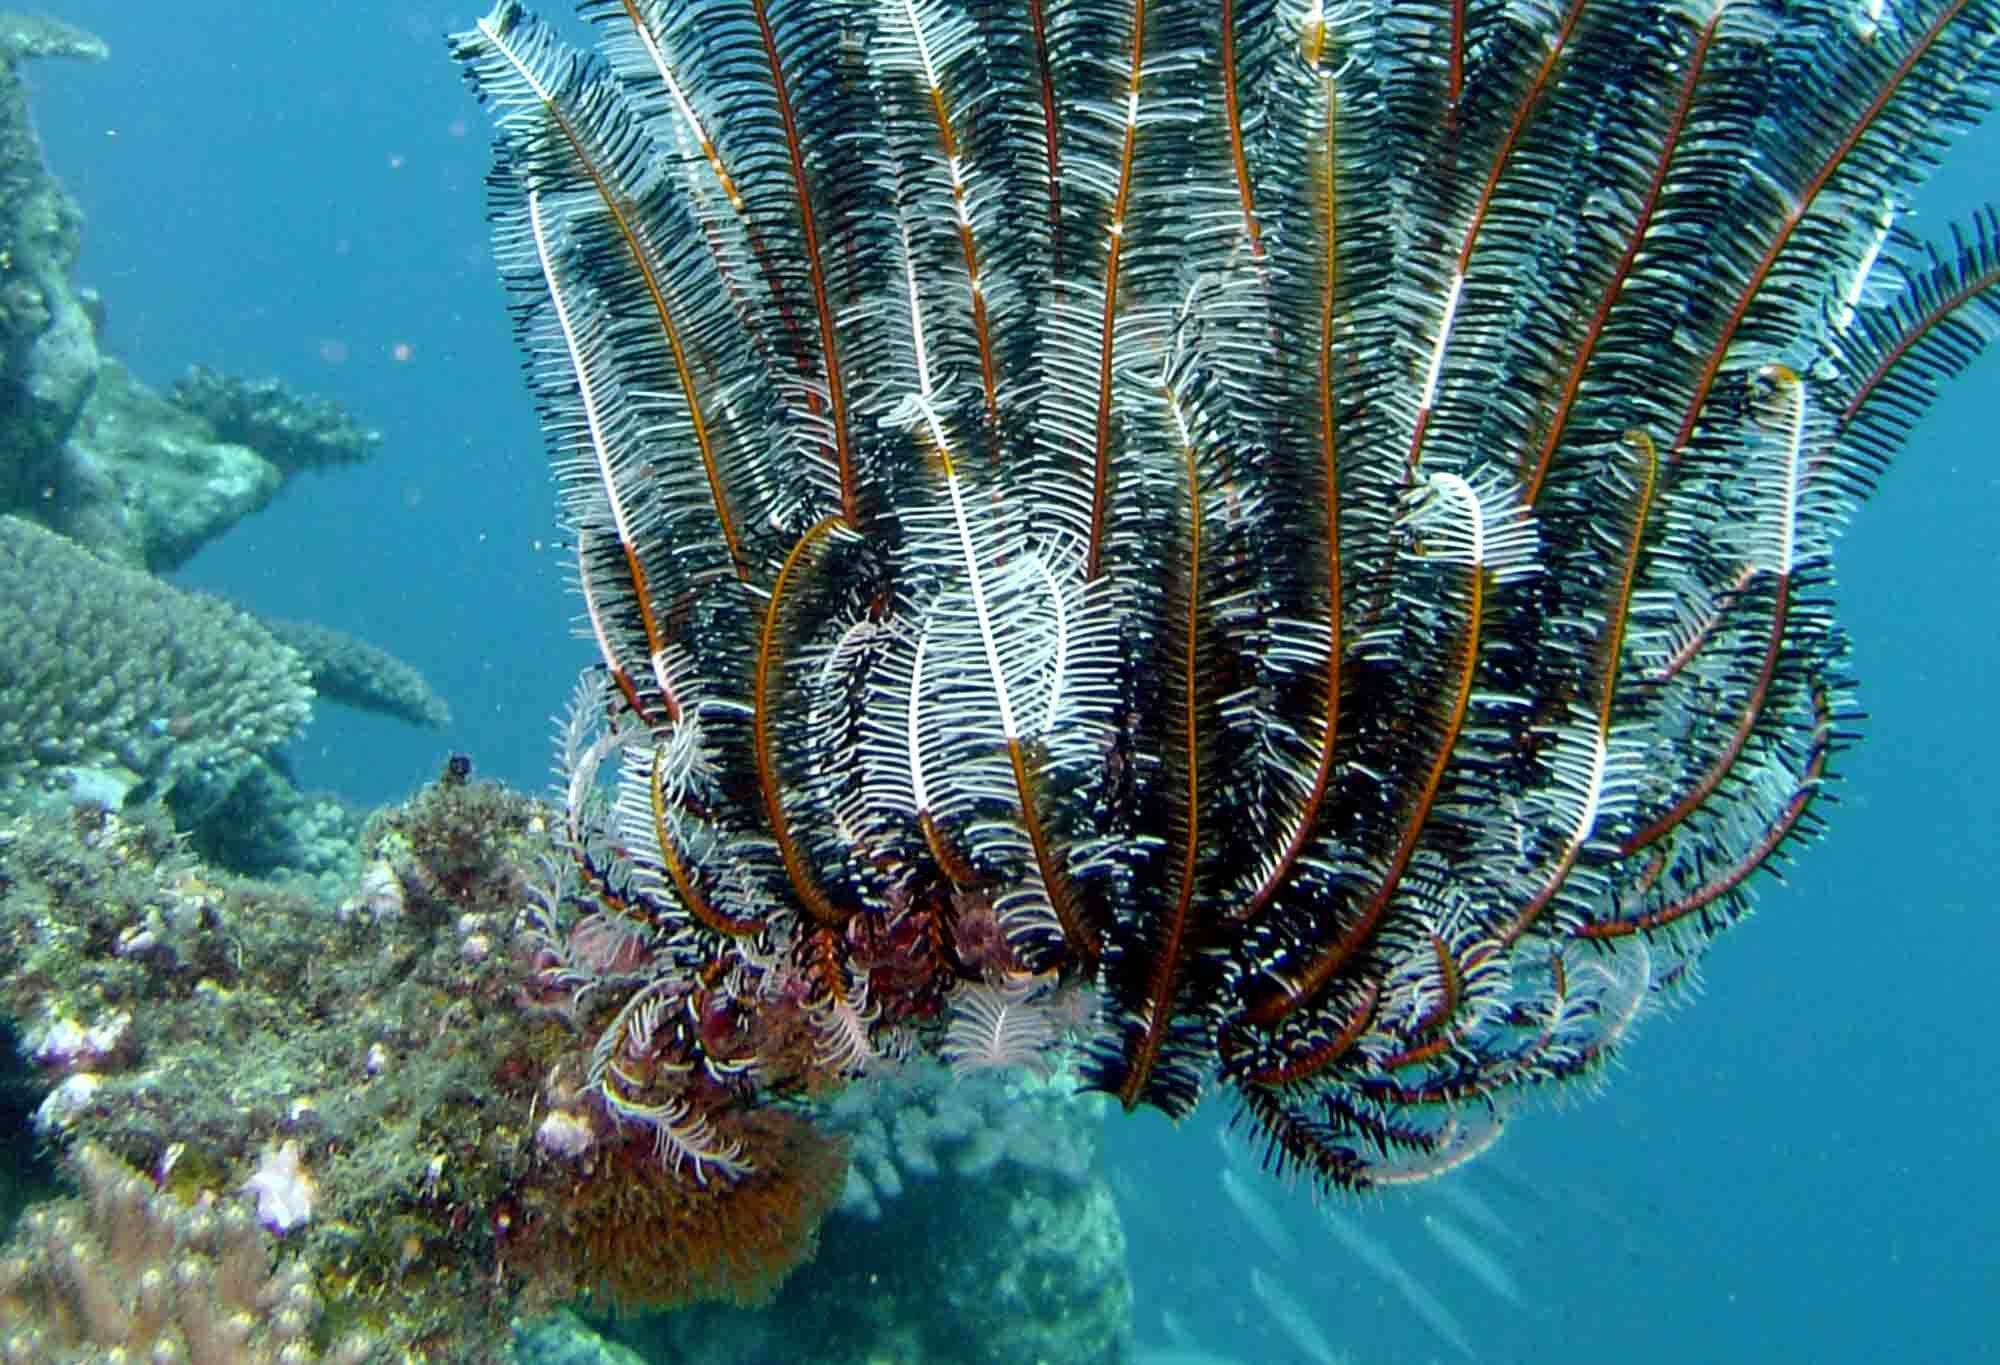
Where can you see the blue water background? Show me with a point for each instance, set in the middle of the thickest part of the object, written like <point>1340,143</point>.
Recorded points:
<point>1799,1168</point>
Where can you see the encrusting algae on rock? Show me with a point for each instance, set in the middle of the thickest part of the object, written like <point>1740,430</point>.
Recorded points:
<point>367,1080</point>
<point>390,1089</point>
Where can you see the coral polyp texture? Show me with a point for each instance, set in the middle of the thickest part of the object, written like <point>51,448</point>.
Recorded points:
<point>129,1272</point>
<point>353,671</point>
<point>1306,526</point>
<point>113,680</point>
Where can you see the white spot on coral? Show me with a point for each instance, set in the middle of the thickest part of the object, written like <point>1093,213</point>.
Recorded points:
<point>61,1044</point>
<point>379,895</point>
<point>66,1101</point>
<point>107,1035</point>
<point>285,1190</point>
<point>565,1133</point>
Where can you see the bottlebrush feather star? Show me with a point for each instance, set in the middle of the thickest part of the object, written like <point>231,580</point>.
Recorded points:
<point>1310,523</point>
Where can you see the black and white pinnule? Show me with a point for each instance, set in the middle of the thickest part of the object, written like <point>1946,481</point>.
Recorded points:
<point>1317,519</point>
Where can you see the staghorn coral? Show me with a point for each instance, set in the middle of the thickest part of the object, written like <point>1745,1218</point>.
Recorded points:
<point>130,1272</point>
<point>113,678</point>
<point>294,431</point>
<point>353,671</point>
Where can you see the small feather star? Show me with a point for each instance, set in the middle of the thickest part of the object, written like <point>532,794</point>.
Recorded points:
<point>285,1190</point>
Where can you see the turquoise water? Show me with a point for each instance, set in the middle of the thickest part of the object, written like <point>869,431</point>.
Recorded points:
<point>1797,1169</point>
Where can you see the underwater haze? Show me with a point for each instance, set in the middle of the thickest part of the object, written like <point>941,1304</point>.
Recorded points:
<point>1799,1169</point>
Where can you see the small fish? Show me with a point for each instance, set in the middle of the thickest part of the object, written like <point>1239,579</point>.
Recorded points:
<point>1474,1209</point>
<point>1478,1262</point>
<point>1291,1317</point>
<point>1262,1218</point>
<point>1181,1355</point>
<point>1176,1331</point>
<point>1377,1258</point>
